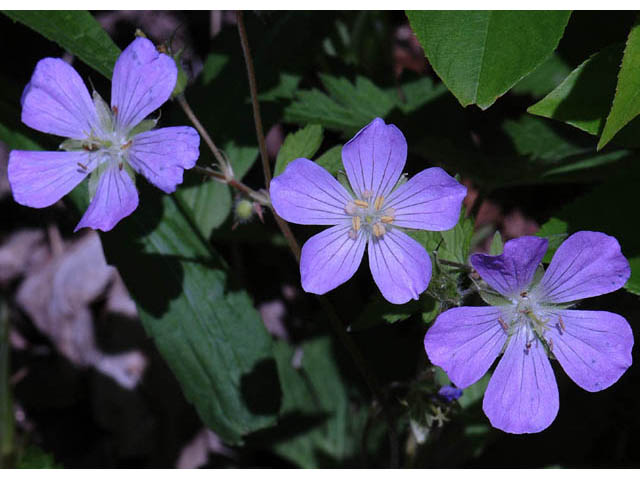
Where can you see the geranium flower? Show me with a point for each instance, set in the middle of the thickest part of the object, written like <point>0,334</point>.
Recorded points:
<point>110,144</point>
<point>373,214</point>
<point>530,319</point>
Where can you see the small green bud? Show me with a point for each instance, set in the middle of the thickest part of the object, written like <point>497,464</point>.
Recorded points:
<point>244,210</point>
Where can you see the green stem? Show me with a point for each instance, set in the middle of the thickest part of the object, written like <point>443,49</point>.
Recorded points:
<point>6,404</point>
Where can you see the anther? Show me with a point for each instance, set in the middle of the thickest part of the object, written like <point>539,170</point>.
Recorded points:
<point>350,208</point>
<point>361,203</point>
<point>355,222</point>
<point>503,325</point>
<point>379,230</point>
<point>120,166</point>
<point>367,194</point>
<point>528,345</point>
<point>550,343</point>
<point>352,234</point>
<point>523,294</point>
<point>115,110</point>
<point>83,166</point>
<point>378,203</point>
<point>390,212</point>
<point>386,219</point>
<point>127,145</point>
<point>561,323</point>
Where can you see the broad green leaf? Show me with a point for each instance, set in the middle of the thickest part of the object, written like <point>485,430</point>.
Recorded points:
<point>241,158</point>
<point>331,160</point>
<point>76,31</point>
<point>626,102</point>
<point>480,55</point>
<point>608,208</point>
<point>284,90</point>
<point>209,203</point>
<point>496,244</point>
<point>544,78</point>
<point>302,144</point>
<point>213,339</point>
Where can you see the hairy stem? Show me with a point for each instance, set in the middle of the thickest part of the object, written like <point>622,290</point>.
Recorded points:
<point>182,100</point>
<point>251,74</point>
<point>334,320</point>
<point>6,403</point>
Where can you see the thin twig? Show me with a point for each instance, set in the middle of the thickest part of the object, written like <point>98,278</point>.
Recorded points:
<point>335,321</point>
<point>257,118</point>
<point>201,130</point>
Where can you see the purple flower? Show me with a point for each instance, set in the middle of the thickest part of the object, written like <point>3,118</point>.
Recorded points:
<point>373,214</point>
<point>530,318</point>
<point>449,393</point>
<point>109,144</point>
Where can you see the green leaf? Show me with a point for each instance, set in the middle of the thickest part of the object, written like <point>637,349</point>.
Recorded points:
<point>456,244</point>
<point>480,55</point>
<point>626,102</point>
<point>318,426</point>
<point>209,203</point>
<point>608,208</point>
<point>584,98</point>
<point>418,93</point>
<point>331,160</point>
<point>346,107</point>
<point>302,144</point>
<point>496,244</point>
<point>212,339</point>
<point>543,79</point>
<point>75,31</point>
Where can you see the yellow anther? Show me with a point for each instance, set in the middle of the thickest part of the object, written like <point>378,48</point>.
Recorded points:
<point>350,208</point>
<point>378,203</point>
<point>355,222</point>
<point>379,230</point>
<point>386,219</point>
<point>361,203</point>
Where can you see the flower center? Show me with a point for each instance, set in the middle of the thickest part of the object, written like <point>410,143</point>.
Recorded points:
<point>369,216</point>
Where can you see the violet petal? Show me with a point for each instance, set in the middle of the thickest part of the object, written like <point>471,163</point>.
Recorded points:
<point>465,341</point>
<point>330,258</point>
<point>143,80</point>
<point>587,264</point>
<point>39,179</point>
<point>400,266</point>
<point>307,194</point>
<point>522,395</point>
<point>115,198</point>
<point>512,271</point>
<point>374,158</point>
<point>594,348</point>
<point>163,155</point>
<point>431,200</point>
<point>57,101</point>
